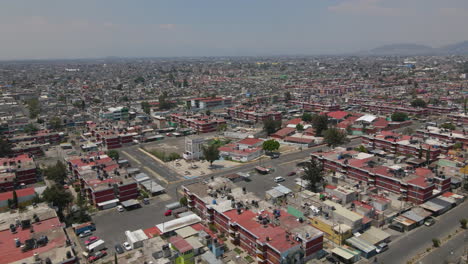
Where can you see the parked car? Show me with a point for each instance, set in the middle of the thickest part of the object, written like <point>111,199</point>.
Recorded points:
<point>91,240</point>
<point>332,259</point>
<point>146,201</point>
<point>279,179</point>
<point>97,256</point>
<point>168,212</point>
<point>275,156</point>
<point>120,208</point>
<point>127,246</point>
<point>292,173</point>
<point>382,247</point>
<point>430,221</point>
<point>86,233</point>
<point>119,249</point>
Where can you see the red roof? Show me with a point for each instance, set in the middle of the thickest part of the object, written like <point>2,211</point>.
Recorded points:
<point>19,193</point>
<point>250,141</point>
<point>338,114</point>
<point>284,132</point>
<point>380,122</point>
<point>419,181</point>
<point>294,121</point>
<point>423,172</point>
<point>180,244</point>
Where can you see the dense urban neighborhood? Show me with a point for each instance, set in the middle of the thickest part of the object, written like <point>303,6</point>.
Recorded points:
<point>269,160</point>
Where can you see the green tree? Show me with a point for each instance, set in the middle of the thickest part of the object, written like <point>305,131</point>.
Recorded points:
<point>457,145</point>
<point>448,126</point>
<point>33,107</point>
<point>221,127</point>
<point>114,154</point>
<point>14,201</point>
<point>420,152</point>
<point>287,97</point>
<point>306,117</point>
<point>399,117</point>
<point>5,147</point>
<point>274,99</point>
<point>428,156</point>
<point>299,127</point>
<point>56,173</point>
<point>57,196</point>
<point>55,123</point>
<point>270,145</point>
<point>140,79</point>
<point>361,148</point>
<point>271,126</point>
<point>320,124</point>
<point>465,105</point>
<point>418,103</point>
<point>463,223</point>
<point>30,129</point>
<point>334,137</point>
<point>183,201</point>
<point>211,153</point>
<point>436,242</point>
<point>186,83</point>
<point>313,175</point>
<point>146,107</point>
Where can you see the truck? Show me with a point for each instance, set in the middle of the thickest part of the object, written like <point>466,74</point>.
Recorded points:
<point>83,227</point>
<point>96,246</point>
<point>173,206</point>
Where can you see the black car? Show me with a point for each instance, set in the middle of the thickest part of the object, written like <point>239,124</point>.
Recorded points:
<point>332,259</point>
<point>119,249</point>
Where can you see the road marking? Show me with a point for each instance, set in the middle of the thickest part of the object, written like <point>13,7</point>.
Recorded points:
<point>156,175</point>
<point>132,158</point>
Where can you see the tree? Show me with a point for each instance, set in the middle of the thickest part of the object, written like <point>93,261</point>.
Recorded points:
<point>146,107</point>
<point>436,242</point>
<point>420,152</point>
<point>183,201</point>
<point>211,153</point>
<point>320,124</point>
<point>448,126</point>
<point>418,103</point>
<point>287,96</point>
<point>114,154</point>
<point>399,117</point>
<point>55,123</point>
<point>271,126</point>
<point>30,128</point>
<point>361,148</point>
<point>14,201</point>
<point>33,107</point>
<point>221,127</point>
<point>313,175</point>
<point>465,105</point>
<point>458,145</point>
<point>140,79</point>
<point>186,84</point>
<point>270,145</point>
<point>428,156</point>
<point>56,173</point>
<point>274,99</point>
<point>299,127</point>
<point>306,117</point>
<point>5,147</point>
<point>463,223</point>
<point>334,137</point>
<point>57,196</point>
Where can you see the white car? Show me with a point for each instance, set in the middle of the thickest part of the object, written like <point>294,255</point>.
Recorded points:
<point>279,179</point>
<point>382,247</point>
<point>127,246</point>
<point>120,208</point>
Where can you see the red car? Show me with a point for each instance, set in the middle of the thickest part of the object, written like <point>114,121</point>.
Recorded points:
<point>97,256</point>
<point>292,173</point>
<point>91,240</point>
<point>168,213</point>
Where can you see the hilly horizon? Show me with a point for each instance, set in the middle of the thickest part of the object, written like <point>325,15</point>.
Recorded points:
<point>406,49</point>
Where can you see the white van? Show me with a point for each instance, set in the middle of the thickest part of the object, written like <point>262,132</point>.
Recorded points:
<point>279,179</point>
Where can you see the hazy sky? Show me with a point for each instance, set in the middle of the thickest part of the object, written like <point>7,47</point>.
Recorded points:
<point>97,28</point>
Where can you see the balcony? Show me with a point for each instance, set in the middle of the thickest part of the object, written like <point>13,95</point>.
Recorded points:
<point>260,257</point>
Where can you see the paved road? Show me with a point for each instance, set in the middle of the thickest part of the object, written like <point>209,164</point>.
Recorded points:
<point>417,240</point>
<point>449,252</point>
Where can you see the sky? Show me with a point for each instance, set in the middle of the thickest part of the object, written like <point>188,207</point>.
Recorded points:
<point>49,29</point>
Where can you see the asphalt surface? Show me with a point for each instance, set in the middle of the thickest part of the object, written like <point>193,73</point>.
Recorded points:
<point>419,239</point>
<point>449,252</point>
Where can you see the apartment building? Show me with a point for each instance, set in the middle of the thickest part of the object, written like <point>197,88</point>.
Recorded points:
<point>16,172</point>
<point>252,115</point>
<point>199,123</point>
<point>205,103</point>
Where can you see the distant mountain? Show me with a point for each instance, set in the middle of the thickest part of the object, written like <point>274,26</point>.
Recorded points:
<point>460,48</point>
<point>403,49</point>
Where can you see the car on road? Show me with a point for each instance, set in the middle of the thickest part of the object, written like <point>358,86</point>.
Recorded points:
<point>127,246</point>
<point>279,179</point>
<point>119,249</point>
<point>292,173</point>
<point>430,221</point>
<point>275,156</point>
<point>86,233</point>
<point>120,208</point>
<point>98,255</point>
<point>146,201</point>
<point>168,212</point>
<point>381,247</point>
<point>91,240</point>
